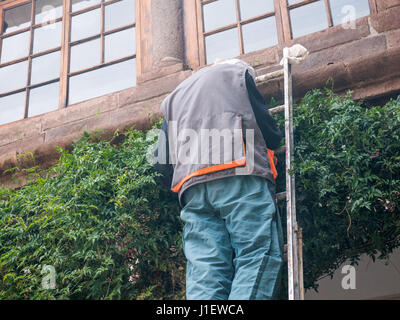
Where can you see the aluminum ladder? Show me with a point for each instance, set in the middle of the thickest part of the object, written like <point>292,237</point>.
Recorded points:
<point>294,233</point>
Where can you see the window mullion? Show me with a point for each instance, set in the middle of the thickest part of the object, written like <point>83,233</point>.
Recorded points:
<point>200,25</point>
<point>329,12</point>
<point>287,31</point>
<point>65,53</point>
<point>278,21</point>
<point>1,27</point>
<point>102,32</point>
<point>239,26</point>
<point>373,6</point>
<point>28,81</point>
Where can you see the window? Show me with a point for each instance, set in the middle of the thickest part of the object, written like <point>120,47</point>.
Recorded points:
<point>311,16</point>
<point>59,52</point>
<point>102,48</point>
<point>229,28</point>
<point>234,27</point>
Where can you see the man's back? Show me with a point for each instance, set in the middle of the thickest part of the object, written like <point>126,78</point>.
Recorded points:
<point>218,134</point>
<point>216,99</point>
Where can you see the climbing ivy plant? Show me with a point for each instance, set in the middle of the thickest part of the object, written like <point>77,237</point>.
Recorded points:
<point>347,169</point>
<point>100,220</point>
<point>110,231</point>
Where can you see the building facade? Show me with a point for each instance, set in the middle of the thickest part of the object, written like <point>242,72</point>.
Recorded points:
<point>72,65</point>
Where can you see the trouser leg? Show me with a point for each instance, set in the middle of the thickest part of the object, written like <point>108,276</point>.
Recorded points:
<point>258,264</point>
<point>253,223</point>
<point>207,248</point>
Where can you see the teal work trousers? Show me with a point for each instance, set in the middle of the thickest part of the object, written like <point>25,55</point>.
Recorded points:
<point>232,240</point>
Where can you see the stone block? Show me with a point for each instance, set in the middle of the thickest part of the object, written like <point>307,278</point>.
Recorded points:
<point>343,53</point>
<point>393,38</point>
<point>19,130</point>
<point>79,111</point>
<point>332,37</point>
<point>152,88</point>
<point>386,20</point>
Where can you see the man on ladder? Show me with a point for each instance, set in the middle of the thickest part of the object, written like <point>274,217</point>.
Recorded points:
<point>232,237</point>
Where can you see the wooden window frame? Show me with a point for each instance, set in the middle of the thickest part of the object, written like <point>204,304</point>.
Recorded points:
<point>285,8</point>
<point>69,44</point>
<point>28,87</point>
<point>238,24</point>
<point>64,47</point>
<point>195,50</point>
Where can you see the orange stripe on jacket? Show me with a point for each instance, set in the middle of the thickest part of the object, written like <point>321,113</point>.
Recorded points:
<point>219,167</point>
<point>272,162</point>
<point>237,163</point>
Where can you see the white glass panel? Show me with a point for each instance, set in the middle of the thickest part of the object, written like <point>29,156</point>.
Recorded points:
<point>85,55</point>
<point>290,2</point>
<point>259,35</point>
<point>47,10</point>
<point>120,44</point>
<point>13,76</point>
<point>47,37</point>
<point>17,18</point>
<point>85,25</point>
<point>119,14</point>
<point>12,107</point>
<point>81,4</point>
<point>344,11</point>
<point>46,67</point>
<point>252,8</point>
<point>222,45</point>
<point>218,14</point>
<point>15,47</point>
<point>43,99</point>
<point>308,19</point>
<point>102,81</point>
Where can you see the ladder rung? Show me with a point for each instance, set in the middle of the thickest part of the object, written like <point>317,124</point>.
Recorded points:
<point>277,109</point>
<point>280,196</point>
<point>269,76</point>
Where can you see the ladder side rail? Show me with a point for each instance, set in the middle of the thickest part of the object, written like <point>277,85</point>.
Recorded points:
<point>292,253</point>
<point>300,248</point>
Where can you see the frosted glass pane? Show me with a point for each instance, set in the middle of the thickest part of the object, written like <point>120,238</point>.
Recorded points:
<point>218,14</point>
<point>119,14</point>
<point>308,19</point>
<point>85,55</point>
<point>47,37</point>
<point>254,8</point>
<point>13,76</point>
<point>120,44</point>
<point>346,10</point>
<point>47,10</point>
<point>81,4</point>
<point>43,99</point>
<point>17,18</point>
<point>102,81</point>
<point>259,35</point>
<point>15,47</point>
<point>222,45</point>
<point>46,67</point>
<point>12,107</point>
<point>290,2</point>
<point>85,25</point>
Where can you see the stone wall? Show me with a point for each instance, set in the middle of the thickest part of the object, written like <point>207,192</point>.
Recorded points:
<point>365,59</point>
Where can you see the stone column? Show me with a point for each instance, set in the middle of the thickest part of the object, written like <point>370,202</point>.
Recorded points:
<point>167,32</point>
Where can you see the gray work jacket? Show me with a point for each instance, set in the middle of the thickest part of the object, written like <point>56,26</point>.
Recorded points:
<point>212,130</point>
